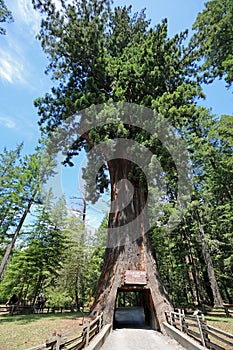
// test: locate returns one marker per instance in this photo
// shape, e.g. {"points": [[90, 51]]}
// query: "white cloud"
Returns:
{"points": [[11, 68], [7, 122], [29, 16]]}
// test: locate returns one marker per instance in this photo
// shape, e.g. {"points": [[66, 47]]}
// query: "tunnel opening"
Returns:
{"points": [[134, 309]]}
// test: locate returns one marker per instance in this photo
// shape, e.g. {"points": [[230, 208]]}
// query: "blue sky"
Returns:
{"points": [[22, 65]]}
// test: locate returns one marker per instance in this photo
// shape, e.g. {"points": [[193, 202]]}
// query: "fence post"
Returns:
{"points": [[58, 343], [204, 329], [226, 311], [88, 334], [12, 309], [172, 319], [180, 318], [200, 330], [100, 321]]}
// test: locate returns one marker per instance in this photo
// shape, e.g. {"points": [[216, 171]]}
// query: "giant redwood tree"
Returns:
{"points": [[100, 55]]}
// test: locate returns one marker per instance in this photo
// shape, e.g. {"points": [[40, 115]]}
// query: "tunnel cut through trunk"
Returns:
{"points": [[134, 308]]}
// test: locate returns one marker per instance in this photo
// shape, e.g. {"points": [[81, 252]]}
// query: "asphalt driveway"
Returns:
{"points": [[133, 333], [139, 339]]}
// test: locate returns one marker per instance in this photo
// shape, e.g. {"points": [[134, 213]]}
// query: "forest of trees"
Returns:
{"points": [[100, 54]]}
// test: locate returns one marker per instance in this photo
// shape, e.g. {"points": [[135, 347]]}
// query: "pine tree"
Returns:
{"points": [[20, 182], [213, 40], [38, 261]]}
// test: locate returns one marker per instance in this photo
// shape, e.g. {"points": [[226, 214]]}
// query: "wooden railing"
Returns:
{"points": [[196, 327], [73, 339], [28, 309], [221, 311], [17, 309]]}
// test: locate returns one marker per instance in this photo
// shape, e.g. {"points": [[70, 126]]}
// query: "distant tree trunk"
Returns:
{"points": [[77, 290], [18, 228], [194, 277], [37, 288], [192, 281], [210, 269], [128, 245], [228, 296]]}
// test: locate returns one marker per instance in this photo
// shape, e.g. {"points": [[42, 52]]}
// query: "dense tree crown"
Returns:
{"points": [[99, 55], [213, 40]]}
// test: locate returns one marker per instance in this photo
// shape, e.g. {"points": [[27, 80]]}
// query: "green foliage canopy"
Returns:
{"points": [[214, 40]]}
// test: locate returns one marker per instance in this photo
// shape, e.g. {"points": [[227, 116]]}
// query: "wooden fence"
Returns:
{"points": [[221, 311], [16, 309], [28, 309], [73, 340], [196, 327]]}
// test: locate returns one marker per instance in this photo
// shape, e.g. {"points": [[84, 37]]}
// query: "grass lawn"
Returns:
{"points": [[224, 323], [24, 331]]}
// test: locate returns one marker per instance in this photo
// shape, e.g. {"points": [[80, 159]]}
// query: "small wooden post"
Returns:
{"points": [[100, 322], [88, 333], [204, 329], [58, 343], [171, 318], [174, 318], [180, 318], [200, 330], [12, 309], [226, 311]]}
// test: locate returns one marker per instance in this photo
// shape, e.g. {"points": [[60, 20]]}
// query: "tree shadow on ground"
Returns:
{"points": [[25, 319]]}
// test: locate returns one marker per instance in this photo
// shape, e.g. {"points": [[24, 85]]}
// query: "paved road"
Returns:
{"points": [[132, 333], [139, 339]]}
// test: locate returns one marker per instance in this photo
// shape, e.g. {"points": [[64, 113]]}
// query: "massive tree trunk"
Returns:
{"points": [[128, 247]]}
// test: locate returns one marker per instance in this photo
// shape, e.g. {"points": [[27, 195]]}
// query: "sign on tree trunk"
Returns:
{"points": [[135, 277]]}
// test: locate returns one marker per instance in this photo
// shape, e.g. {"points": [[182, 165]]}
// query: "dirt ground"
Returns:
{"points": [[25, 331]]}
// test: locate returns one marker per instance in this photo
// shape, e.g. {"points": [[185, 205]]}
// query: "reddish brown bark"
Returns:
{"points": [[128, 246]]}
